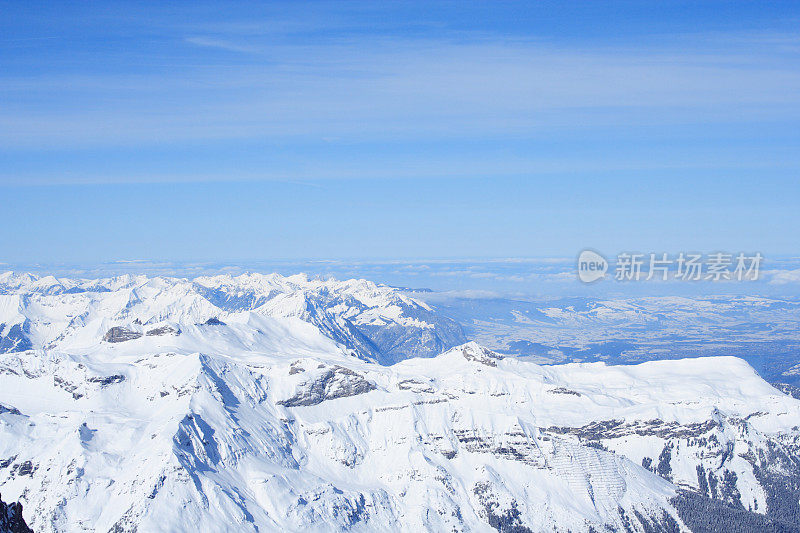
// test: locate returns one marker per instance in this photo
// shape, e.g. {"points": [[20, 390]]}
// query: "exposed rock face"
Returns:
{"points": [[614, 429], [14, 337], [336, 382], [11, 520], [474, 352], [415, 386], [120, 334], [163, 330], [11, 410], [104, 381], [563, 390]]}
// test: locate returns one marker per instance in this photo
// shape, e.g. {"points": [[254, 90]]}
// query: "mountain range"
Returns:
{"points": [[270, 403]]}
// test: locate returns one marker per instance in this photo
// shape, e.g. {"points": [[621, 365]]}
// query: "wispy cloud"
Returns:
{"points": [[398, 89], [342, 93], [782, 277], [222, 44]]}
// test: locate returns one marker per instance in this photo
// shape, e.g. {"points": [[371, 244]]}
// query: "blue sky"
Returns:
{"points": [[211, 131]]}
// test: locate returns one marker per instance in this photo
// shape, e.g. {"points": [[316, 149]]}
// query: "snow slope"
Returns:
{"points": [[257, 418], [377, 322]]}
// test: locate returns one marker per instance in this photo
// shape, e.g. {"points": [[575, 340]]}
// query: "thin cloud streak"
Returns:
{"points": [[392, 168], [397, 89], [222, 44]]}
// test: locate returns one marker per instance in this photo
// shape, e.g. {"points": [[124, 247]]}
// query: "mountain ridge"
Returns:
{"points": [[377, 322], [238, 418]]}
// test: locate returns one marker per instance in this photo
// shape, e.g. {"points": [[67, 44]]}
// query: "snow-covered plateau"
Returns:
{"points": [[269, 403]]}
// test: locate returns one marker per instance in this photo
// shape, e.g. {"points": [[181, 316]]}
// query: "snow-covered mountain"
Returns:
{"points": [[250, 404], [377, 322]]}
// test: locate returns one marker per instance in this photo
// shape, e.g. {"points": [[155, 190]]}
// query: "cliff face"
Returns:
{"points": [[11, 520]]}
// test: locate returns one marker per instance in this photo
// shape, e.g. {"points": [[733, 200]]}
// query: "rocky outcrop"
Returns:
{"points": [[613, 429], [336, 382], [5, 409], [472, 351], [14, 338], [415, 385], [11, 520], [120, 334], [564, 390], [163, 330], [104, 381]]}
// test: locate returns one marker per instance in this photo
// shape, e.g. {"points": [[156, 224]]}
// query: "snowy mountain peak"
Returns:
{"points": [[255, 403], [375, 322], [472, 351]]}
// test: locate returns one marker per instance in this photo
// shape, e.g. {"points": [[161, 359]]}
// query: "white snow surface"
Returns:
{"points": [[266, 423], [377, 322]]}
